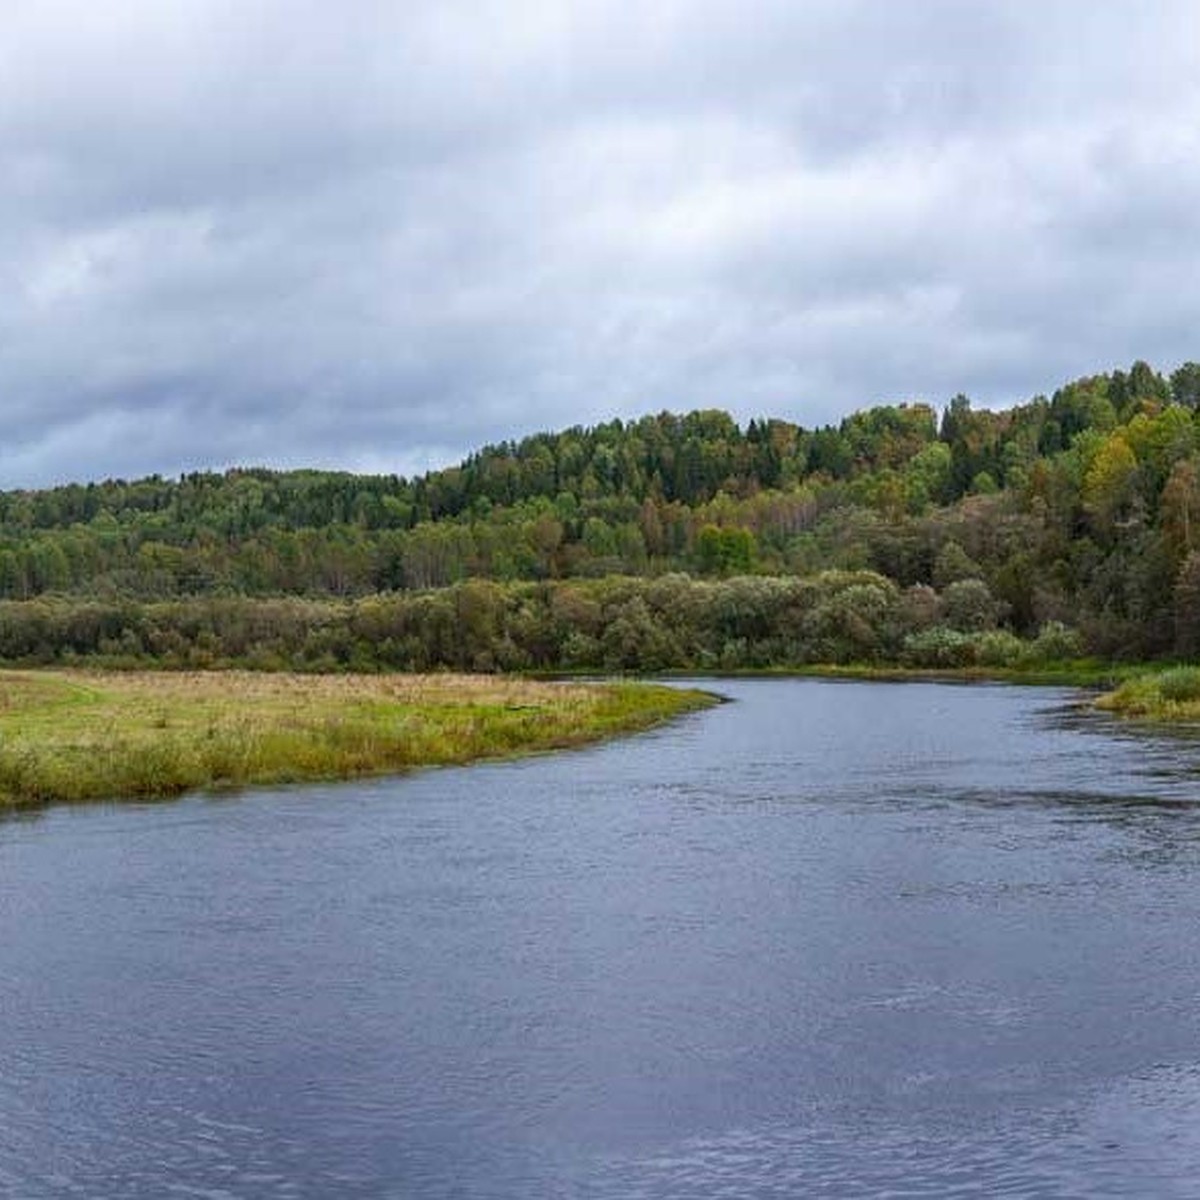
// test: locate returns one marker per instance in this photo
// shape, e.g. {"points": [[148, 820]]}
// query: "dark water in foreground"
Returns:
{"points": [[831, 940]]}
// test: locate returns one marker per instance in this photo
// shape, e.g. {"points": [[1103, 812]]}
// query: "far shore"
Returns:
{"points": [[1083, 673]]}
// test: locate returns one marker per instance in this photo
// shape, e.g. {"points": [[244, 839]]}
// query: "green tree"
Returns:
{"points": [[724, 551], [1185, 385]]}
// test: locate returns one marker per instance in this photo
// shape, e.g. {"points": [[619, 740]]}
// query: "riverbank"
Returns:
{"points": [[1171, 695], [1082, 673], [73, 735]]}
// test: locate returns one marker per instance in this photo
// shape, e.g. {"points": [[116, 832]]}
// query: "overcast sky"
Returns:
{"points": [[376, 235]]}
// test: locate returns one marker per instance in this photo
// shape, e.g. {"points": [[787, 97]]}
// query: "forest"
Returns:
{"points": [[1064, 526]]}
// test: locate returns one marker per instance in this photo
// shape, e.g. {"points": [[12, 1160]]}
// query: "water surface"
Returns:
{"points": [[832, 939]]}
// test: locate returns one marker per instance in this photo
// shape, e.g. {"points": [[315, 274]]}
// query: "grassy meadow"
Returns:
{"points": [[73, 735]]}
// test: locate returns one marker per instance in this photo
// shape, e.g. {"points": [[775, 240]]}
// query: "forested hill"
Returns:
{"points": [[1082, 507]]}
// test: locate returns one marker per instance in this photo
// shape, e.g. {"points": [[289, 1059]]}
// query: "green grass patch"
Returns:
{"points": [[1172, 694], [72, 736]]}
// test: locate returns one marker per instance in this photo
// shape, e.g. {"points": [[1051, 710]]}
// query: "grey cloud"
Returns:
{"points": [[377, 235]]}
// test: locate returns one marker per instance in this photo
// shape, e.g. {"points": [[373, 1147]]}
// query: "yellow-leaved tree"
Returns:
{"points": [[1110, 482]]}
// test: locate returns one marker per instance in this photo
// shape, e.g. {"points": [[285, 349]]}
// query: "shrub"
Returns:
{"points": [[999, 648], [1180, 684], [969, 606], [940, 647], [1056, 642]]}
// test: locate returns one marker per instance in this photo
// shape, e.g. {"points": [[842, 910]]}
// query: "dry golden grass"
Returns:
{"points": [[86, 735]]}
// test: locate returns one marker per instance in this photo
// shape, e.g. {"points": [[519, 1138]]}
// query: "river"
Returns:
{"points": [[831, 939]]}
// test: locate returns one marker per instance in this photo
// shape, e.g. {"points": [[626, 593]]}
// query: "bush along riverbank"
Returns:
{"points": [[668, 623], [1172, 694], [76, 735]]}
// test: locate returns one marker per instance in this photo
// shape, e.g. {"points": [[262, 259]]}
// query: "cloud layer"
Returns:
{"points": [[377, 235]]}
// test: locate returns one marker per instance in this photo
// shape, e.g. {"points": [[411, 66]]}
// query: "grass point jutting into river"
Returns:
{"points": [[79, 735]]}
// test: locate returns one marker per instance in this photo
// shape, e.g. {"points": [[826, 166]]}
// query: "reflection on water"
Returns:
{"points": [[833, 939]]}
